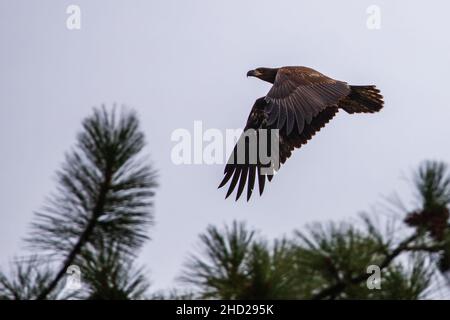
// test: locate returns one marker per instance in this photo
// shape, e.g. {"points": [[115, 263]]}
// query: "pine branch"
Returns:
{"points": [[427, 248], [432, 183], [27, 278], [104, 193], [109, 274], [221, 273], [339, 287], [84, 236]]}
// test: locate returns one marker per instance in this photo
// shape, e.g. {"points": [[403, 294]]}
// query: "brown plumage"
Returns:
{"points": [[300, 103]]}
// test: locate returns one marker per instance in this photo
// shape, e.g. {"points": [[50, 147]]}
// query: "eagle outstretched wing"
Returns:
{"points": [[300, 103]]}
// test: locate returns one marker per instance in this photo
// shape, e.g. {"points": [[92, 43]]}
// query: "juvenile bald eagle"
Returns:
{"points": [[300, 103]]}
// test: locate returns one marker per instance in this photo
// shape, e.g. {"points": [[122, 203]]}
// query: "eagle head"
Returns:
{"points": [[266, 74]]}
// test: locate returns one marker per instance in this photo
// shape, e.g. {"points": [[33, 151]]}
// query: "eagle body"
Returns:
{"points": [[300, 103]]}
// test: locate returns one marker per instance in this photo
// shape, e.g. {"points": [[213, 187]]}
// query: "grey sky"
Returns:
{"points": [[180, 61]]}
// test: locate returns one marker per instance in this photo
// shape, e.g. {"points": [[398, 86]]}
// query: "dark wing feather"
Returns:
{"points": [[251, 181], [245, 173], [296, 140]]}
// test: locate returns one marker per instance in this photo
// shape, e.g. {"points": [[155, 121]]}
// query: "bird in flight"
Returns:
{"points": [[300, 103]]}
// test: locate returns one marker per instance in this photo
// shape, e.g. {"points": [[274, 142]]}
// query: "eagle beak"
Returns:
{"points": [[253, 73]]}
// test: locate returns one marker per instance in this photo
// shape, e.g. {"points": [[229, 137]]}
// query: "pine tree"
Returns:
{"points": [[98, 217], [331, 260]]}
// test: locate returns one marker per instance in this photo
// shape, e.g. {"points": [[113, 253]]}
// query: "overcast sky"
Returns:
{"points": [[180, 61]]}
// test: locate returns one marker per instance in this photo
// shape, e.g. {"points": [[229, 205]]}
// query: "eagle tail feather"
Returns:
{"points": [[362, 99]]}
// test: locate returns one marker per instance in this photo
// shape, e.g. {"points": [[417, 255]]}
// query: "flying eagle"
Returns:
{"points": [[300, 103]]}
